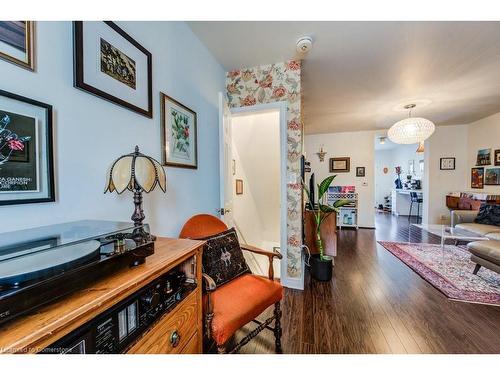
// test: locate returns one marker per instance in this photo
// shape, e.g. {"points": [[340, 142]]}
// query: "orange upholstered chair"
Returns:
{"points": [[229, 307]]}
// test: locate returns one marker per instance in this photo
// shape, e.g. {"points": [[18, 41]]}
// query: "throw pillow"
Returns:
{"points": [[223, 258], [488, 214]]}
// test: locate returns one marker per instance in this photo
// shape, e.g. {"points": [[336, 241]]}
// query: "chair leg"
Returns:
{"points": [[277, 328], [418, 212], [409, 214], [476, 269]]}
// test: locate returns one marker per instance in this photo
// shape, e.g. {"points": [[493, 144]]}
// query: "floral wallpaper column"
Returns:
{"points": [[272, 83]]}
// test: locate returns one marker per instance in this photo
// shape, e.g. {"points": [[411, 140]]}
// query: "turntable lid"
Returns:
{"points": [[52, 236], [20, 268]]}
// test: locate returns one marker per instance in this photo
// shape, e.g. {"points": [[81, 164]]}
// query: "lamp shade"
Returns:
{"points": [[411, 130], [135, 171]]}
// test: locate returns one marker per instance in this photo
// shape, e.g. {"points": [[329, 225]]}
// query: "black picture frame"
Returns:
{"points": [[78, 69], [49, 151], [360, 171], [346, 161], [497, 157], [477, 178], [444, 167]]}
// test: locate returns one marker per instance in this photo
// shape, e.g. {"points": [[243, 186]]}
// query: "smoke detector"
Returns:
{"points": [[304, 44]]}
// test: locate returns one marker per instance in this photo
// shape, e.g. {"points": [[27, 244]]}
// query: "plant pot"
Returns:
{"points": [[321, 270]]}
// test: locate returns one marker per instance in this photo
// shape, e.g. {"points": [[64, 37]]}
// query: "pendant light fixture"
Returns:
{"points": [[411, 130]]}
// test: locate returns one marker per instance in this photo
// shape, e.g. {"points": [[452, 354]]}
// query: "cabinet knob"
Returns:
{"points": [[175, 338]]}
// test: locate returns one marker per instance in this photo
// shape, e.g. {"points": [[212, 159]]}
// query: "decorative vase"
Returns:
{"points": [[321, 270]]}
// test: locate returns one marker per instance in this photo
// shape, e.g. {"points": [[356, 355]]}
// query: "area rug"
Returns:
{"points": [[450, 271]]}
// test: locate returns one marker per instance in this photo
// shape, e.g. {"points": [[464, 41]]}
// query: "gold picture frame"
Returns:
{"points": [[29, 62]]}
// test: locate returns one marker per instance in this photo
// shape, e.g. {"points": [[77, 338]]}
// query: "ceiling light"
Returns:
{"points": [[411, 130]]}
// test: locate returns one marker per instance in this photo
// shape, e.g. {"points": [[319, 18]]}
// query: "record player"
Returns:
{"points": [[42, 264]]}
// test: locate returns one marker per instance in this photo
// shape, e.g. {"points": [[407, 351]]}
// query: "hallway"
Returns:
{"points": [[376, 304]]}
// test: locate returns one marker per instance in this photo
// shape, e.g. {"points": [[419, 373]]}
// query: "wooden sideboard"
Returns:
{"points": [[34, 332], [328, 233]]}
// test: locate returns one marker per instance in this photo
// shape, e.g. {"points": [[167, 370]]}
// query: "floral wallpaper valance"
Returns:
{"points": [[267, 84]]}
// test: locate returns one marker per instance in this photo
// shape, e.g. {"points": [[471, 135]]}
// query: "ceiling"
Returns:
{"points": [[359, 74]]}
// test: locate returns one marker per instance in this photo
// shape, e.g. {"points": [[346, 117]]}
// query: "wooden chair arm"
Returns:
{"points": [[270, 255], [209, 283], [208, 287]]}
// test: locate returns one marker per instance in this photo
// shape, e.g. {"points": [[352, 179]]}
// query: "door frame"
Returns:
{"points": [[281, 106]]}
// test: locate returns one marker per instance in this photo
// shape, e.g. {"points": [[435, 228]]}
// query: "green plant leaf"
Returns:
{"points": [[326, 208], [325, 184], [342, 202]]}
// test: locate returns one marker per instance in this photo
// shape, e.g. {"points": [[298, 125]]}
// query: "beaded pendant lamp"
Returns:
{"points": [[138, 173], [411, 130]]}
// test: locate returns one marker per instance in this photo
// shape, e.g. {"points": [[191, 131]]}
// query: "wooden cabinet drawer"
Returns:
{"points": [[193, 346], [180, 322]]}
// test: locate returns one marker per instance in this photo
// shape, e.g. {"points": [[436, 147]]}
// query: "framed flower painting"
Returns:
{"points": [[26, 159], [178, 134]]}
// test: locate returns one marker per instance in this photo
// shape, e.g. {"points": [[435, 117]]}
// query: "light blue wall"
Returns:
{"points": [[91, 132]]}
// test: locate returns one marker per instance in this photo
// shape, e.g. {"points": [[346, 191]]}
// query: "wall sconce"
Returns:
{"points": [[382, 140], [321, 153]]}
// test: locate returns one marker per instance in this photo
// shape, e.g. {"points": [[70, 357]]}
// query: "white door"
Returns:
{"points": [[226, 160]]}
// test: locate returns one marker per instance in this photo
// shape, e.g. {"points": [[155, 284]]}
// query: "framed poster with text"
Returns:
{"points": [[26, 150]]}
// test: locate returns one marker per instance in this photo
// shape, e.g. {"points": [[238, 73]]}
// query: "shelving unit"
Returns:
{"points": [[348, 215]]}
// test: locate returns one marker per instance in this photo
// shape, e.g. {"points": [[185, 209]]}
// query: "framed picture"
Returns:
{"points": [[17, 43], [497, 157], [447, 164], [26, 156], [239, 187], [340, 165], [110, 64], [360, 171], [421, 166], [178, 134], [492, 176], [477, 178], [484, 157]]}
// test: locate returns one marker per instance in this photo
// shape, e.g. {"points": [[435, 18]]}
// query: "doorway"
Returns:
{"points": [[253, 180], [389, 198]]}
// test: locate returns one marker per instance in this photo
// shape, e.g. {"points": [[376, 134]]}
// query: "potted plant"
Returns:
{"points": [[321, 264]]}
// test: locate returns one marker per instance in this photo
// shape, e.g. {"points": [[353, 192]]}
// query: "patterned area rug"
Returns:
{"points": [[450, 271]]}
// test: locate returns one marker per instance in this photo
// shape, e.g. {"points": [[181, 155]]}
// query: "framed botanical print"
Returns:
{"points": [[340, 164], [178, 134], [447, 164], [17, 43], [477, 178], [26, 156], [110, 64]]}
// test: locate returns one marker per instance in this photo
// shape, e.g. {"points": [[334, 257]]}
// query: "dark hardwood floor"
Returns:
{"points": [[376, 304]]}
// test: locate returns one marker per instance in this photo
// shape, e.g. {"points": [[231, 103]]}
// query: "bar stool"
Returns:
{"points": [[415, 198]]}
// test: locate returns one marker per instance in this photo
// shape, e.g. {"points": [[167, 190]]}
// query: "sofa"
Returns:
{"points": [[485, 253]]}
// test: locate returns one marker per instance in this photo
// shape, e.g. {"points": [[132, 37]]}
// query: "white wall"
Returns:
{"points": [[91, 132], [384, 183], [359, 146], [447, 141], [256, 151], [482, 134]]}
